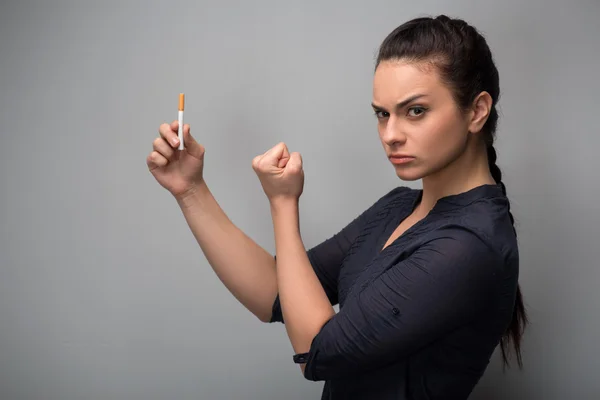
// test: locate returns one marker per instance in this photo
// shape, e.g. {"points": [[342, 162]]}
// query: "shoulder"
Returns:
{"points": [[482, 229], [452, 256]]}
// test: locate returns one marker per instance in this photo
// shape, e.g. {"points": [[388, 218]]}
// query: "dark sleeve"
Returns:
{"points": [[441, 286], [326, 258]]}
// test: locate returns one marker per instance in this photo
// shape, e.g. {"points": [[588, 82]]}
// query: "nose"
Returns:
{"points": [[392, 132]]}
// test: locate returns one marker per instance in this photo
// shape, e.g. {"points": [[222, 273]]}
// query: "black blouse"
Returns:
{"points": [[421, 318]]}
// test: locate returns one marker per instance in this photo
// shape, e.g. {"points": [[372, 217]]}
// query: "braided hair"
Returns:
{"points": [[465, 64]]}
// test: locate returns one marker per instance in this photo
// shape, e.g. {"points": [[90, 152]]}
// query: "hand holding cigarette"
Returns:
{"points": [[177, 160]]}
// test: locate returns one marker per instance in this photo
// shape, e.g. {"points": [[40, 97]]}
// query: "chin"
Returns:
{"points": [[408, 179], [408, 175]]}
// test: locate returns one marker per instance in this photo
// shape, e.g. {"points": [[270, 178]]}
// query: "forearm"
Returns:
{"points": [[245, 268], [304, 304]]}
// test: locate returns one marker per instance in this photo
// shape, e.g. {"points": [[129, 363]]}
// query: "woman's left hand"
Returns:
{"points": [[280, 173]]}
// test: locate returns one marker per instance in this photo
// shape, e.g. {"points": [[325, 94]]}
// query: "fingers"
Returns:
{"points": [[161, 146], [277, 155], [296, 158], [155, 160], [164, 147], [295, 162], [169, 133], [256, 162], [175, 127], [277, 151]]}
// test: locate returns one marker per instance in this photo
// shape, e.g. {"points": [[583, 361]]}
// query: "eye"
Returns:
{"points": [[381, 114], [416, 111]]}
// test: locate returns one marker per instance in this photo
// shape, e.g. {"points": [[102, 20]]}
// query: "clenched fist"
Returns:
{"points": [[280, 173]]}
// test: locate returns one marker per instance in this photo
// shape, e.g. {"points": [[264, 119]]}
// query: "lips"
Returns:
{"points": [[400, 158]]}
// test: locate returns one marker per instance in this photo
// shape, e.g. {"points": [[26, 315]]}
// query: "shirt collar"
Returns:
{"points": [[486, 191]]}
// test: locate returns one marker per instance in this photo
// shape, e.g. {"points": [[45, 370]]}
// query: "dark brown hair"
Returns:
{"points": [[464, 60]]}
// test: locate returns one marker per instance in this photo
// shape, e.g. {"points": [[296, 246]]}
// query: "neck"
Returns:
{"points": [[468, 171]]}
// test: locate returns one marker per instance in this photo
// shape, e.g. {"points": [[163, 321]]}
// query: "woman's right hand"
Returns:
{"points": [[178, 171]]}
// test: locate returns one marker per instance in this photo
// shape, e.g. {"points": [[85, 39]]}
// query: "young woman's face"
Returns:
{"points": [[417, 119]]}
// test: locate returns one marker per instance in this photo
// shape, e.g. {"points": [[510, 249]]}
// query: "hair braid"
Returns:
{"points": [[519, 317]]}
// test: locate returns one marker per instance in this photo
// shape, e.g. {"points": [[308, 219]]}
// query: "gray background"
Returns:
{"points": [[104, 293]]}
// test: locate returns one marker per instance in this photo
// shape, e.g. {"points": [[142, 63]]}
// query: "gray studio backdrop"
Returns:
{"points": [[104, 293]]}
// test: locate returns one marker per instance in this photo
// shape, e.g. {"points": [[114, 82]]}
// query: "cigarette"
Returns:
{"points": [[180, 118]]}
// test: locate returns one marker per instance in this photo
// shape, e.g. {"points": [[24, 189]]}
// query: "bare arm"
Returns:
{"points": [[245, 268]]}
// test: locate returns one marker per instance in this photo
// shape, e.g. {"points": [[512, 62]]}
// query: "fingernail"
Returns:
{"points": [[175, 141]]}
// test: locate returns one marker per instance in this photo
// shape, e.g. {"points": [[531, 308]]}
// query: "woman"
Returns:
{"points": [[427, 280]]}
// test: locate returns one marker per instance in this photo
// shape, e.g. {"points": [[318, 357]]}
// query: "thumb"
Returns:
{"points": [[190, 144], [284, 158]]}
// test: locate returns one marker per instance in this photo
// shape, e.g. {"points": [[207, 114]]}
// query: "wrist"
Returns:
{"points": [[283, 204], [192, 196], [285, 215]]}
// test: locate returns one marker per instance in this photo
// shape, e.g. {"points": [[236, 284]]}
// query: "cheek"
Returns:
{"points": [[441, 137]]}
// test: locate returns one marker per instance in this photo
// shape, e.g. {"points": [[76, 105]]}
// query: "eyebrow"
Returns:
{"points": [[402, 104]]}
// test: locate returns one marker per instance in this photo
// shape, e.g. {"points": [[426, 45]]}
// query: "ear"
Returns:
{"points": [[480, 111]]}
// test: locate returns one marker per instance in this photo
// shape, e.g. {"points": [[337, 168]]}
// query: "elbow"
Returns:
{"points": [[322, 363], [316, 371], [270, 312], [264, 317], [312, 366], [269, 316]]}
